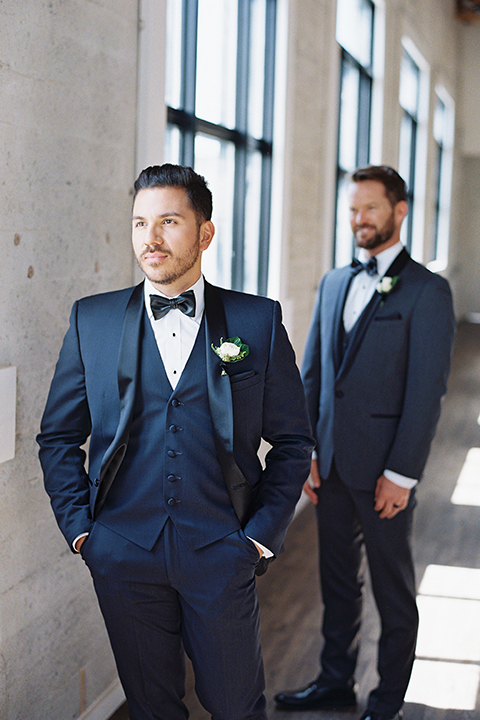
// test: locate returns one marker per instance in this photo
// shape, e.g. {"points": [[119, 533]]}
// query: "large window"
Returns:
{"points": [[409, 101], [355, 23], [443, 123], [412, 160], [219, 93]]}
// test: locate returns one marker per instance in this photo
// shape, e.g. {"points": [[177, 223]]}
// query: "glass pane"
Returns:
{"points": [[216, 61], [409, 85], [173, 72], [406, 146], [215, 160], [343, 234], [252, 222], [347, 149], [256, 67], [354, 29], [172, 144], [439, 119]]}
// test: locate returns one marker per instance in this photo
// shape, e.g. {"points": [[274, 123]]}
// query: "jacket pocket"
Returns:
{"points": [[240, 381], [383, 318]]}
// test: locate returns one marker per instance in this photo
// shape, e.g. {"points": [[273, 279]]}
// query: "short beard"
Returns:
{"points": [[179, 269], [381, 237]]}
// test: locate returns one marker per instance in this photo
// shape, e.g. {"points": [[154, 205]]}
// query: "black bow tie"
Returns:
{"points": [[162, 305], [370, 267]]}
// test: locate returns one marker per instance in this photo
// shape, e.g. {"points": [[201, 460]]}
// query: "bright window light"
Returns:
{"points": [[467, 489], [449, 629], [453, 582], [446, 673], [444, 685]]}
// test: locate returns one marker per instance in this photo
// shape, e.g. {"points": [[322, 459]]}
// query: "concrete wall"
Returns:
{"points": [[68, 125], [67, 136]]}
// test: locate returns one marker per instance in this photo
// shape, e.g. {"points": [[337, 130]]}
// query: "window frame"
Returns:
{"points": [[190, 125], [341, 253]]}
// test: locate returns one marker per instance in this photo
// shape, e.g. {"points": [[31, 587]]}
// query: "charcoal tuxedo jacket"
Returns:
{"points": [[97, 393], [375, 404]]}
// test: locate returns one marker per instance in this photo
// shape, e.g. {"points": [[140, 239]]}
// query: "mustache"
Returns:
{"points": [[364, 227], [155, 247]]}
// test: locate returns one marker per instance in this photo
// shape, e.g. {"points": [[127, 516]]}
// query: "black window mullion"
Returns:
{"points": [[364, 113], [189, 74], [411, 178]]}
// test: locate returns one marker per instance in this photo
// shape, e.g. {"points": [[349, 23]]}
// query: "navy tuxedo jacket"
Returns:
{"points": [[93, 391], [376, 407]]}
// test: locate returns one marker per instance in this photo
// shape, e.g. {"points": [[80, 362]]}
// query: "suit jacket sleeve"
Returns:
{"points": [[431, 335], [312, 362], [287, 429], [65, 428]]}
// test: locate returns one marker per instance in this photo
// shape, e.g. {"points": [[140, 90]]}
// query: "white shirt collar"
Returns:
{"points": [[198, 288], [384, 258]]}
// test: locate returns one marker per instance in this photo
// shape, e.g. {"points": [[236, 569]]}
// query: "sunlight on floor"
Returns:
{"points": [[446, 674], [448, 686], [467, 490]]}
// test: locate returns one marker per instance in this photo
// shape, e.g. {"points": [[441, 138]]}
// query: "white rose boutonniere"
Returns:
{"points": [[385, 286], [231, 350]]}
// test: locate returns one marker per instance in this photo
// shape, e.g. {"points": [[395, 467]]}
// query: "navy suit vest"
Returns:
{"points": [[171, 468]]}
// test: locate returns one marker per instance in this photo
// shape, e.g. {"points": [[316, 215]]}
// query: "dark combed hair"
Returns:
{"points": [[178, 176], [395, 187]]}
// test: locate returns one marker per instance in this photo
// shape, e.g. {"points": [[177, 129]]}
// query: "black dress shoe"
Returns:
{"points": [[378, 716], [315, 696]]}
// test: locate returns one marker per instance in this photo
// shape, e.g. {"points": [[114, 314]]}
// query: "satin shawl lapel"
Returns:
{"points": [[128, 360], [340, 297], [366, 317], [221, 407]]}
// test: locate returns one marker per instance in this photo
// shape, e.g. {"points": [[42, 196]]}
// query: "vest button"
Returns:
{"points": [[339, 394], [171, 502], [173, 478], [171, 453], [175, 402], [173, 428]]}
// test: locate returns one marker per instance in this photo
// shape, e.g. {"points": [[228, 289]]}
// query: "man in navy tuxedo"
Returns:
{"points": [[375, 369], [176, 382]]}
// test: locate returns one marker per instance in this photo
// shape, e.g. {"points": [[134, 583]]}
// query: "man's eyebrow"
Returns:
{"points": [[163, 215]]}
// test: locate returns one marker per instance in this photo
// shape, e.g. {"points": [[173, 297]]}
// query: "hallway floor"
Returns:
{"points": [[446, 679]]}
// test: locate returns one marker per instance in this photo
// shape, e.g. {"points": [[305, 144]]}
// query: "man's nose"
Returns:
{"points": [[153, 236], [360, 217]]}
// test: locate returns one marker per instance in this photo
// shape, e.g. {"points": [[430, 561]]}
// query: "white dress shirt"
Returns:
{"points": [[175, 333], [359, 295]]}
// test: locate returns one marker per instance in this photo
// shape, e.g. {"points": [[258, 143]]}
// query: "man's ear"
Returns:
{"points": [[401, 210], [207, 231]]}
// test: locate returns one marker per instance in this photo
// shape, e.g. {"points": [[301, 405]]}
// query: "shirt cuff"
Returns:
{"points": [[84, 534], [266, 552], [400, 480]]}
